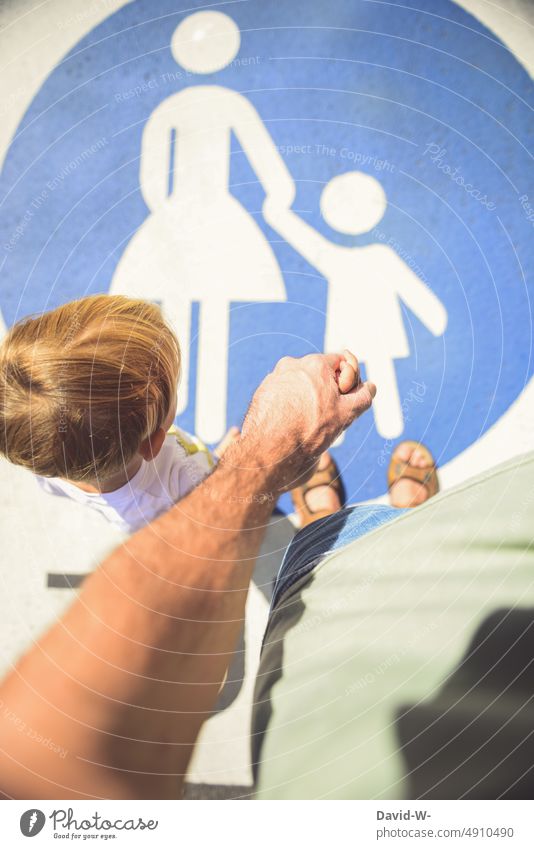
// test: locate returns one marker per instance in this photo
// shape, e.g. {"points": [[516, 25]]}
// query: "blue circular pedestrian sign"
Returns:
{"points": [[287, 178]]}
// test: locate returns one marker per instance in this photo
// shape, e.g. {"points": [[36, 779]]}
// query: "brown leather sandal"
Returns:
{"points": [[426, 475], [329, 476]]}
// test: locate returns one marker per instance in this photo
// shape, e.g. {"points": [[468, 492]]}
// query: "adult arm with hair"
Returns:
{"points": [[124, 681]]}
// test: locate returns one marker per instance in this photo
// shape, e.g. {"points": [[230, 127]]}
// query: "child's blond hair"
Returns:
{"points": [[83, 385]]}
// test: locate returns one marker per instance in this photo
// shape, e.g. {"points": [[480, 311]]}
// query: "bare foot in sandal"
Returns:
{"points": [[322, 495], [412, 476]]}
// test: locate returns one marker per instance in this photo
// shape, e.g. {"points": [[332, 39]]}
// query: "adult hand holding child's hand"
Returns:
{"points": [[301, 408]]}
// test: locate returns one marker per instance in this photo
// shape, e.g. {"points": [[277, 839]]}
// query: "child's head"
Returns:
{"points": [[353, 202], [83, 386]]}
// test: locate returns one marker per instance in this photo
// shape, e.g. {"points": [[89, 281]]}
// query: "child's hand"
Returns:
{"points": [[348, 374], [226, 441], [299, 411]]}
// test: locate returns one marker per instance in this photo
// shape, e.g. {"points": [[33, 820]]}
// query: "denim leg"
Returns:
{"points": [[324, 536]]}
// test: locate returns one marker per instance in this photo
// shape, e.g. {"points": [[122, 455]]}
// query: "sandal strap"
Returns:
{"points": [[427, 475], [328, 476], [414, 473]]}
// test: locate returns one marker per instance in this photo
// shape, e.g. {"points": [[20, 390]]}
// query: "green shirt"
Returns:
{"points": [[403, 666]]}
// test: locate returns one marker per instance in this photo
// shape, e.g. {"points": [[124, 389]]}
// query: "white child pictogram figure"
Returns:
{"points": [[365, 286], [199, 243]]}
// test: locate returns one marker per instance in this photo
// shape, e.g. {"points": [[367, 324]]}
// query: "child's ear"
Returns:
{"points": [[151, 446]]}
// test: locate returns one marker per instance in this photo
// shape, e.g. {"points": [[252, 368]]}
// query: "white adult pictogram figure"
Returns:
{"points": [[199, 243], [365, 286]]}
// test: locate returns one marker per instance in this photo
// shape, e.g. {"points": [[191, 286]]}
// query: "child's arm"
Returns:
{"points": [[188, 464], [302, 236]]}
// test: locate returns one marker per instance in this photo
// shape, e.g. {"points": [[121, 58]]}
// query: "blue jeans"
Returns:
{"points": [[313, 543]]}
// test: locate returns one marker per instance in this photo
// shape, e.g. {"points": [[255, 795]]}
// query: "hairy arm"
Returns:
{"points": [[123, 682]]}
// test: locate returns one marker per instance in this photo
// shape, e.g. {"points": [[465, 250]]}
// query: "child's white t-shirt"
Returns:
{"points": [[183, 462]]}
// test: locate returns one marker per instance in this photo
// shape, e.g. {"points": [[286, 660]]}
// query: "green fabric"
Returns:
{"points": [[381, 624]]}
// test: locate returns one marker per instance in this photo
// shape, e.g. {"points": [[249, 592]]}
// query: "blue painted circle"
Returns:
{"points": [[422, 101]]}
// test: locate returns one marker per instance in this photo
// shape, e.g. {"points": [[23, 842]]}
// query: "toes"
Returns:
{"points": [[414, 455], [404, 452], [419, 458]]}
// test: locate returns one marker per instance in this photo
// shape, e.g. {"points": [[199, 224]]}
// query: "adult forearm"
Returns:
{"points": [[119, 688], [125, 680]]}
